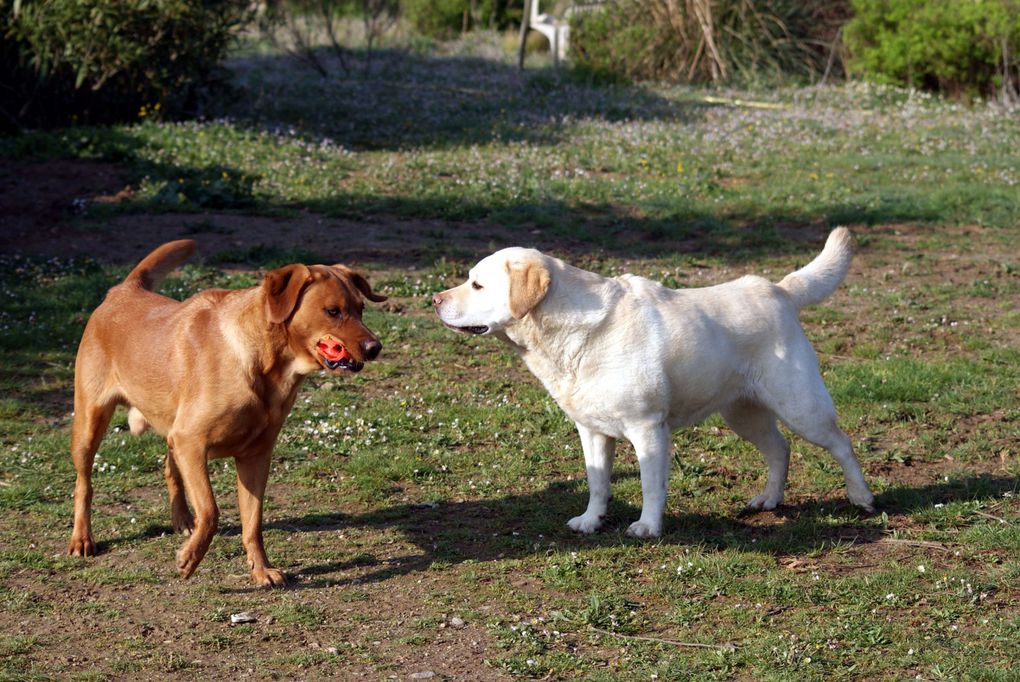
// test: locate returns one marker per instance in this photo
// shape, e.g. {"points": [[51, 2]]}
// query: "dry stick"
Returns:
{"points": [[697, 57], [709, 99], [522, 39], [917, 543], [691, 645], [990, 516], [832, 56]]}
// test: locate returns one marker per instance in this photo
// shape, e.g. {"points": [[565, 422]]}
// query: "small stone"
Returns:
{"points": [[243, 617], [424, 675], [457, 622], [328, 386]]}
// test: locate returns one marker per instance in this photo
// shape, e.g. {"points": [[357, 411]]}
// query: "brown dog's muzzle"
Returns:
{"points": [[336, 356]]}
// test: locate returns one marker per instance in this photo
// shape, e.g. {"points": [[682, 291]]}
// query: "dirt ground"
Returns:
{"points": [[44, 212]]}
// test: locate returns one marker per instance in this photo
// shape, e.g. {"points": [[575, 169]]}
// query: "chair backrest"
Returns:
{"points": [[534, 11], [582, 6]]}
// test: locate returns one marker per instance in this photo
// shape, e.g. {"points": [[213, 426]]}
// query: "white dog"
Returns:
{"points": [[628, 358]]}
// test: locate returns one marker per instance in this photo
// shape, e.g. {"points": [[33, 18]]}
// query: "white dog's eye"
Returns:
{"points": [[476, 285]]}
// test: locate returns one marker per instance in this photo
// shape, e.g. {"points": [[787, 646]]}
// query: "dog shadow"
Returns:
{"points": [[527, 525]]}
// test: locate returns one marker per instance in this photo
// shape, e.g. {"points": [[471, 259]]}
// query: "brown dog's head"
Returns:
{"points": [[320, 306]]}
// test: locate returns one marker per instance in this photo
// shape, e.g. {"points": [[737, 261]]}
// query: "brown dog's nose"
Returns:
{"points": [[371, 348], [437, 300]]}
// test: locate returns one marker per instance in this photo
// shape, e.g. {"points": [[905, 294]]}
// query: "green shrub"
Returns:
{"points": [[99, 60], [707, 40], [958, 47], [445, 18]]}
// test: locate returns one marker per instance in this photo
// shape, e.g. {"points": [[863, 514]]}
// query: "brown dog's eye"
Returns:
{"points": [[476, 285], [333, 312]]}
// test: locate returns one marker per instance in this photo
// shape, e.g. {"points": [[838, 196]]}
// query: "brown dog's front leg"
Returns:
{"points": [[191, 463], [252, 474]]}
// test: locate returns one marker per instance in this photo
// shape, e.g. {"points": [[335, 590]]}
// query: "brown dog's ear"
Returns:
{"points": [[528, 285], [281, 288], [360, 283]]}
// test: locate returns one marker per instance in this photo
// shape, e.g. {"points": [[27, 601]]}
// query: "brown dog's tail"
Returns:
{"points": [[157, 265], [816, 281]]}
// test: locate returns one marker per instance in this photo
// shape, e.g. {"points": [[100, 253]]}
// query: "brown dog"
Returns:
{"points": [[216, 375]]}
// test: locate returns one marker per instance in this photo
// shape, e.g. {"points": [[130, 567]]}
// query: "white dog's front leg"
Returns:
{"points": [[598, 461], [651, 443]]}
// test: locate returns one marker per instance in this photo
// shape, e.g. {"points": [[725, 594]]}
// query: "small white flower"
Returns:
{"points": [[920, 569]]}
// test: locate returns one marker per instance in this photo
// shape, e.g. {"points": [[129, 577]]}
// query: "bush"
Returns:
{"points": [[707, 40], [961, 48], [98, 61], [445, 18]]}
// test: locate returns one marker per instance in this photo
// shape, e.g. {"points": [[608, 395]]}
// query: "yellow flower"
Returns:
{"points": [[813, 176], [679, 166]]}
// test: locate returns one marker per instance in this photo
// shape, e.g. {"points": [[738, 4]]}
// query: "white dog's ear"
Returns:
{"points": [[529, 283]]}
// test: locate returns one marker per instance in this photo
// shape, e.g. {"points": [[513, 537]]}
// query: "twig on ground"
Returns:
{"points": [[990, 516], [728, 646], [918, 543], [710, 99]]}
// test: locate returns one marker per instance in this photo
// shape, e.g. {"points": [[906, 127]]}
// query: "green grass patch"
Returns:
{"points": [[419, 507]]}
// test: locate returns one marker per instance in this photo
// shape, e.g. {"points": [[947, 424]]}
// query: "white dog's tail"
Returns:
{"points": [[816, 281]]}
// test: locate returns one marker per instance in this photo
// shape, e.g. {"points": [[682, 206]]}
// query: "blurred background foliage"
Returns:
{"points": [[97, 61]]}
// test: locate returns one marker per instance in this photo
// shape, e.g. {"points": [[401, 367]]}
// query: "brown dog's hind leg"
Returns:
{"points": [[190, 459], [252, 473], [180, 515], [87, 431]]}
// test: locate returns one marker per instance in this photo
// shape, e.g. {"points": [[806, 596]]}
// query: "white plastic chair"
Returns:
{"points": [[555, 29]]}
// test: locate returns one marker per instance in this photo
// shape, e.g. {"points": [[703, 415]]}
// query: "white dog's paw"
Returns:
{"points": [[862, 498], [586, 524], [643, 529], [765, 502]]}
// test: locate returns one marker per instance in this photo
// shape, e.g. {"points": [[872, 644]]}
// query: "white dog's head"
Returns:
{"points": [[500, 289]]}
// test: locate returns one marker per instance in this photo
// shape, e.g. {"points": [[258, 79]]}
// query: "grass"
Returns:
{"points": [[433, 488]]}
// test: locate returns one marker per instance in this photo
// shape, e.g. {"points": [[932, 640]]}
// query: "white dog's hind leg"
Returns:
{"points": [[808, 410], [651, 443], [838, 443], [598, 461], [757, 424]]}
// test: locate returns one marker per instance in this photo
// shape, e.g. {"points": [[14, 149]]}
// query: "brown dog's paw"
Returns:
{"points": [[82, 547], [268, 577], [188, 560]]}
